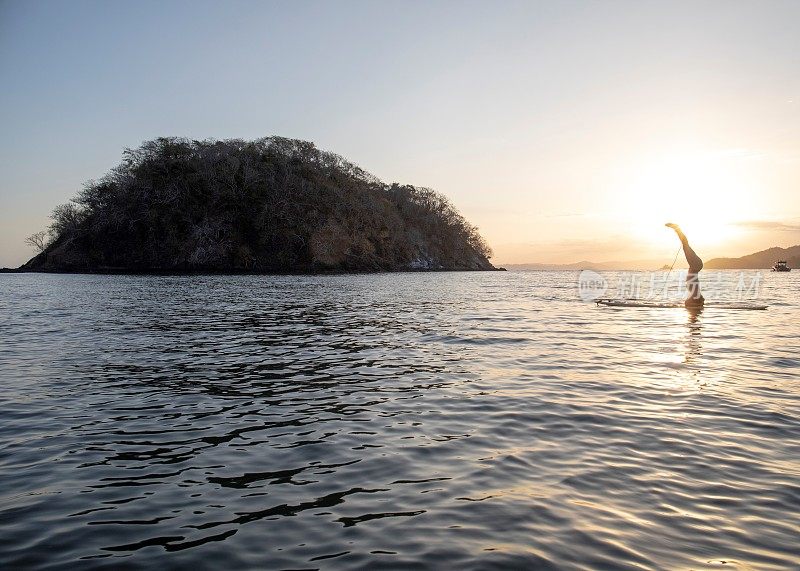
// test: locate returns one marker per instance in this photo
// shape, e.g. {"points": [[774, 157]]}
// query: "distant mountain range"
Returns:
{"points": [[596, 266], [759, 260]]}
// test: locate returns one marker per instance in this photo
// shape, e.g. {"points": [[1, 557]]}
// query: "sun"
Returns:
{"points": [[700, 191]]}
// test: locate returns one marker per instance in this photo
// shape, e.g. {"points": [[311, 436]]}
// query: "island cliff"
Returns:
{"points": [[270, 205]]}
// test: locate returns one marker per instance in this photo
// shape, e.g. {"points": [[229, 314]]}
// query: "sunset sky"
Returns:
{"points": [[565, 131]]}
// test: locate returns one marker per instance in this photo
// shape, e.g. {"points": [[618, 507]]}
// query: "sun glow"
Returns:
{"points": [[705, 192]]}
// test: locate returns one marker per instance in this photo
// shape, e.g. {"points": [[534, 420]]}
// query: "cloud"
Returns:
{"points": [[769, 225]]}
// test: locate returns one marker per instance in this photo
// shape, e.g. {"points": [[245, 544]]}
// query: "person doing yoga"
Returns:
{"points": [[695, 298]]}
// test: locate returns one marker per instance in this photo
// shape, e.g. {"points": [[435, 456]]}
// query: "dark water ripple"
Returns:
{"points": [[468, 421]]}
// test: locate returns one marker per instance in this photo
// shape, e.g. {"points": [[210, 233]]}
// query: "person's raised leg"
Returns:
{"points": [[695, 263]]}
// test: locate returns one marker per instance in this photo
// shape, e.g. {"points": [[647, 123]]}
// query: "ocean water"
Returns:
{"points": [[398, 421]]}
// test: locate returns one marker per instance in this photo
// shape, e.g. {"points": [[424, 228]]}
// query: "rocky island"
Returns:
{"points": [[269, 205]]}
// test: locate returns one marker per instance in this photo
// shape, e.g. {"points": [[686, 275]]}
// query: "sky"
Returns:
{"points": [[565, 131]]}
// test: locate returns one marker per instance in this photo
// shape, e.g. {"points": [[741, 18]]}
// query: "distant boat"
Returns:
{"points": [[781, 266]]}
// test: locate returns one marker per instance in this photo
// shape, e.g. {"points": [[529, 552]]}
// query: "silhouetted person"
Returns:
{"points": [[695, 298]]}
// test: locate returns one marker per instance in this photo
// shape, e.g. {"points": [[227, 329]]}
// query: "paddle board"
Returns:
{"points": [[676, 304]]}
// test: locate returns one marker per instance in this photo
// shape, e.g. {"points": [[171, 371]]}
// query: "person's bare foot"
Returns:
{"points": [[677, 229]]}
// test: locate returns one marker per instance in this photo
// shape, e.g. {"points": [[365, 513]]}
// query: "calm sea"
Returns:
{"points": [[447, 420]]}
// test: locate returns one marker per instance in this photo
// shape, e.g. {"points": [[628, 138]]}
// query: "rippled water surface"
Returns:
{"points": [[450, 421]]}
